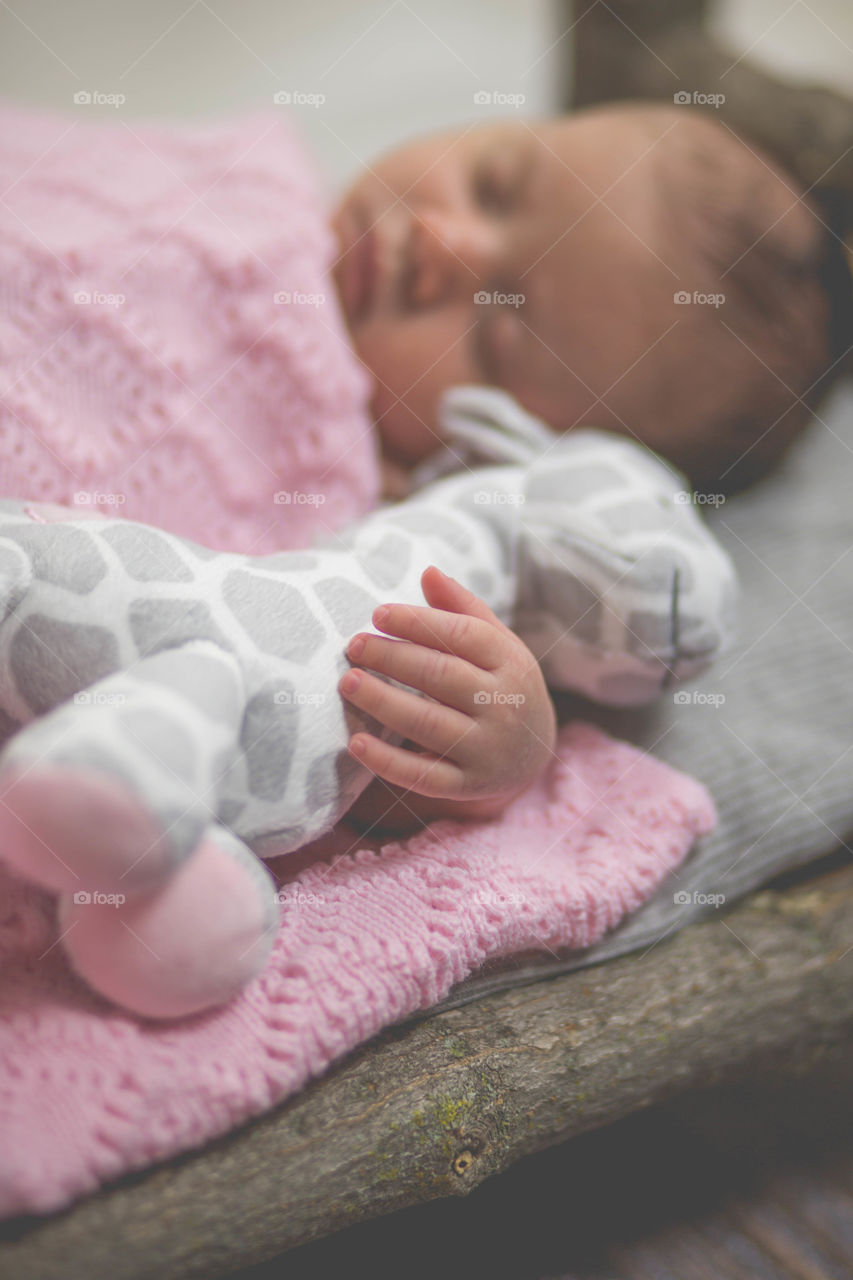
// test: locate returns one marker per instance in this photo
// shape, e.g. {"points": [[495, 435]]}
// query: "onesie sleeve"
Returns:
{"points": [[623, 589]]}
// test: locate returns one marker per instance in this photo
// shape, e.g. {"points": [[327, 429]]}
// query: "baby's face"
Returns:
{"points": [[558, 224]]}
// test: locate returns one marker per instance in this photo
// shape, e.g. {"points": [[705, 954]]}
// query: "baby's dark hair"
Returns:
{"points": [[751, 234]]}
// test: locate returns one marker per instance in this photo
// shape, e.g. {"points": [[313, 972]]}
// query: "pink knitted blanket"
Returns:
{"points": [[171, 346], [369, 934]]}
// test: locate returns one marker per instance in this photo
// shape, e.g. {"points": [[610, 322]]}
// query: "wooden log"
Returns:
{"points": [[431, 1108]]}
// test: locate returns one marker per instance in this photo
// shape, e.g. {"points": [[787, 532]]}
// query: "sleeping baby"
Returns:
{"points": [[531, 303], [634, 267]]}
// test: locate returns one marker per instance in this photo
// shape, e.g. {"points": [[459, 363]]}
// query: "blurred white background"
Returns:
{"points": [[387, 69]]}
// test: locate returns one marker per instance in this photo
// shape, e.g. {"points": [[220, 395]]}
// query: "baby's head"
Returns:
{"points": [[586, 233]]}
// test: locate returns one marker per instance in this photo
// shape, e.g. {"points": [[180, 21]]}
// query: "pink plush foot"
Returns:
{"points": [[186, 947], [68, 828]]}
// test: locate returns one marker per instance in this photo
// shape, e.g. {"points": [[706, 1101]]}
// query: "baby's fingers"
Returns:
{"points": [[443, 676], [482, 642], [444, 592], [426, 774], [432, 725]]}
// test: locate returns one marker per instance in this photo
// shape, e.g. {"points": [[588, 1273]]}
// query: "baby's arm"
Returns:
{"points": [[487, 727]]}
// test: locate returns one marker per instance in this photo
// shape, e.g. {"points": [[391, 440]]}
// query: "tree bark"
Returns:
{"points": [[432, 1108]]}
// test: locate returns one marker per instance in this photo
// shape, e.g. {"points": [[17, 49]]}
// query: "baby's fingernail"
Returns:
{"points": [[381, 613], [355, 648], [350, 682]]}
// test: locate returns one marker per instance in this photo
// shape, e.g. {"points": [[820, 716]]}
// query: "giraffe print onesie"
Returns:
{"points": [[171, 713]]}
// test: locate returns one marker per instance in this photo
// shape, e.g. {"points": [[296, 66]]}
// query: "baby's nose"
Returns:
{"points": [[453, 255]]}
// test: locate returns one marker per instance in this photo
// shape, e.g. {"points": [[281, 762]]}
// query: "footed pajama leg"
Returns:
{"points": [[190, 945], [113, 789]]}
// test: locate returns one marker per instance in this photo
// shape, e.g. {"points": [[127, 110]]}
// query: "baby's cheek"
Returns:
{"points": [[405, 429], [413, 359]]}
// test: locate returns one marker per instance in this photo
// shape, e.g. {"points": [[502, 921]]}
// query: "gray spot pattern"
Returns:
{"points": [[697, 636], [648, 631], [15, 576], [164, 624], [230, 810], [62, 555], [387, 562], [51, 660], [347, 605], [576, 604], [273, 614], [656, 571], [269, 739], [327, 777], [148, 559]]}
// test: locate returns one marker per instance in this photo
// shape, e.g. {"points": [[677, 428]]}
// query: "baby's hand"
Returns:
{"points": [[487, 727]]}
